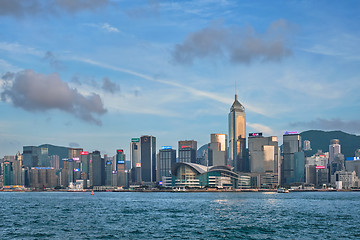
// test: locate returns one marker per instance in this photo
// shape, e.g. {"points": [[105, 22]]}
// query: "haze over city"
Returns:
{"points": [[94, 74]]}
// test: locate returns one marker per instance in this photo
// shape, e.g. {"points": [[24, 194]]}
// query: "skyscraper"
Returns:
{"points": [[121, 168], [334, 148], [217, 150], [187, 151], [108, 173], [8, 173], [97, 169], [293, 165], [237, 136], [166, 159], [18, 170], [135, 160], [336, 159], [263, 154], [148, 159]]}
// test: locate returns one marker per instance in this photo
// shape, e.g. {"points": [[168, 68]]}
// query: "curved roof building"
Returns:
{"points": [[196, 175]]}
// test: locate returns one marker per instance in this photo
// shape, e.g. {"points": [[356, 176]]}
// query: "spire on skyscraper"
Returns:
{"points": [[237, 106]]}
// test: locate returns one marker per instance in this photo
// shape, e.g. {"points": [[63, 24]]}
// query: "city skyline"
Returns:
{"points": [[98, 74]]}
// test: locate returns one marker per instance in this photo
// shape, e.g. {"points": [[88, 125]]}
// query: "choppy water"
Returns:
{"points": [[63, 215]]}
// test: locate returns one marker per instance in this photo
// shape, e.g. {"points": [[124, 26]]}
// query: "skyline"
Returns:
{"points": [[117, 70]]}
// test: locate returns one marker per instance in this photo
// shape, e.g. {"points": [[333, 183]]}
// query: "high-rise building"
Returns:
{"points": [[237, 137], [166, 159], [8, 173], [336, 159], [97, 169], [334, 148], [40, 156], [202, 153], [43, 177], [148, 159], [85, 165], [217, 154], [353, 164], [135, 161], [263, 154], [71, 168], [18, 170], [55, 161], [30, 156], [187, 151], [108, 173], [121, 168], [307, 145], [263, 160], [64, 180], [75, 152], [293, 165]]}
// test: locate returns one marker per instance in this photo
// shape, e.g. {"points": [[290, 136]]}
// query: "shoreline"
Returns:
{"points": [[186, 190]]}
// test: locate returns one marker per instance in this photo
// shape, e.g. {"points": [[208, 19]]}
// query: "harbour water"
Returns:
{"points": [[161, 215]]}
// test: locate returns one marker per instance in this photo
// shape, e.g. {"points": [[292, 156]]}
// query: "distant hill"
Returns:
{"points": [[321, 140]]}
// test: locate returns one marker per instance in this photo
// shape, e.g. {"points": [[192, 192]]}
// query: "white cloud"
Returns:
{"points": [[109, 28], [104, 26]]}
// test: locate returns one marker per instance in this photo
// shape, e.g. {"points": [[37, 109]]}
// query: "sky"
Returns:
{"points": [[94, 74]]}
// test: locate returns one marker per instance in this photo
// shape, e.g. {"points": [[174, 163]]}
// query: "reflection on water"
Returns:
{"points": [[221, 201]]}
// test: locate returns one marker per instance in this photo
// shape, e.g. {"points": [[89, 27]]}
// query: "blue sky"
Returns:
{"points": [[96, 73]]}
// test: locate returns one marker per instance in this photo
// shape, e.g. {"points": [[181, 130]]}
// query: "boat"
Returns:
{"points": [[282, 190]]}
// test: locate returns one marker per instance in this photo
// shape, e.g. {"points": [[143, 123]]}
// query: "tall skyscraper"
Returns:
{"points": [[135, 161], [166, 159], [64, 181], [334, 148], [187, 151], [97, 169], [237, 137], [18, 170], [85, 165], [121, 168], [8, 173], [148, 159], [293, 165], [108, 173], [217, 150]]}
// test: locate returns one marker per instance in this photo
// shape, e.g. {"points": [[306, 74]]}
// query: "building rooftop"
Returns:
{"points": [[236, 106]]}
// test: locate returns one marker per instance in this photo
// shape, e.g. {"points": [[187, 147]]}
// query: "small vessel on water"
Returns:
{"points": [[282, 190]]}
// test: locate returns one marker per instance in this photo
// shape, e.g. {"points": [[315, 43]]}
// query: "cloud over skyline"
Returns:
{"points": [[237, 44], [34, 92]]}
